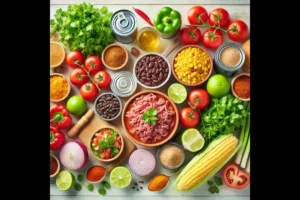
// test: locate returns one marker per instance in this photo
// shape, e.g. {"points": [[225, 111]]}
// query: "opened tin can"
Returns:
{"points": [[229, 58], [123, 84], [123, 24]]}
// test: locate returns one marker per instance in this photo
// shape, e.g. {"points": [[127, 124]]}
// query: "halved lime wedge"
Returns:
{"points": [[177, 93], [120, 177], [65, 180], [192, 140]]}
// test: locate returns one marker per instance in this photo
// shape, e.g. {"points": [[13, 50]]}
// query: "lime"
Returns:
{"points": [[192, 140], [218, 86], [177, 93], [120, 177], [65, 180]]}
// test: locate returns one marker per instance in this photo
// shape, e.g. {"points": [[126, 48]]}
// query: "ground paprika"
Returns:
{"points": [[241, 87], [95, 173]]}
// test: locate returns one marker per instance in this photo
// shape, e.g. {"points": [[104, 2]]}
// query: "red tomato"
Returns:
{"points": [[212, 38], [199, 98], [93, 64], [235, 178], [78, 77], [197, 15], [89, 91], [237, 30], [219, 16], [189, 118], [190, 35], [74, 57], [102, 79]]}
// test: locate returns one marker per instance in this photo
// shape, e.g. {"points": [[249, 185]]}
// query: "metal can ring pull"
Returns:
{"points": [[122, 20]]}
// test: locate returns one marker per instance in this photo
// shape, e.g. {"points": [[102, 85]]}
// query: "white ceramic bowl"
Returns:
{"points": [[151, 87]]}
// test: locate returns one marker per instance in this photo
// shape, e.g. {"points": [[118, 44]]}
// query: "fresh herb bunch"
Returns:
{"points": [[224, 116], [83, 27], [150, 116]]}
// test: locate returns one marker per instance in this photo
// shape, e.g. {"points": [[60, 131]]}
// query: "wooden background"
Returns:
{"points": [[238, 9]]}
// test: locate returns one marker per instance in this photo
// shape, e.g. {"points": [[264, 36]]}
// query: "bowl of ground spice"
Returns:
{"points": [[54, 166], [171, 155], [59, 87], [115, 57], [95, 174], [240, 86]]}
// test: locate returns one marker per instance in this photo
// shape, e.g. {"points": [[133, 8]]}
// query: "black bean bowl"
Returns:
{"points": [[97, 101]]}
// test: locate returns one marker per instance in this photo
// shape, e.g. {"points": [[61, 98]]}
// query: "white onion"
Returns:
{"points": [[141, 162], [73, 155]]}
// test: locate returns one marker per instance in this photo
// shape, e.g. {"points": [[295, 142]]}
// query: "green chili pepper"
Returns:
{"points": [[167, 20]]}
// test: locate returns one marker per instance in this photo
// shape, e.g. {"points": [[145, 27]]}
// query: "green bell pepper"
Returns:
{"points": [[167, 20]]}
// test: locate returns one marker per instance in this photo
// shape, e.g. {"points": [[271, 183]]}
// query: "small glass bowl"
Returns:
{"points": [[182, 151]]}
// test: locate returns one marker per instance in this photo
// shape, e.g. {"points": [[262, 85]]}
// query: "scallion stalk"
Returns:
{"points": [[248, 165], [246, 154]]}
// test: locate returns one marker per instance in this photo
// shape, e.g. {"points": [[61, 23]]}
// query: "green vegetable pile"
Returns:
{"points": [[224, 116], [83, 27]]}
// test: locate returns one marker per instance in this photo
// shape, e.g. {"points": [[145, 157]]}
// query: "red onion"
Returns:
{"points": [[73, 155], [141, 162]]}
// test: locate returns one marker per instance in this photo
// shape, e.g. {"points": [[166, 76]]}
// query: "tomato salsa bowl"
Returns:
{"points": [[150, 118], [106, 144]]}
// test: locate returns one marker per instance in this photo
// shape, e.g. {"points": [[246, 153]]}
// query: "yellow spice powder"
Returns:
{"points": [[58, 87]]}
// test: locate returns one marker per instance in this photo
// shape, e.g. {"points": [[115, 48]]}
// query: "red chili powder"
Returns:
{"points": [[53, 165], [241, 87], [95, 173]]}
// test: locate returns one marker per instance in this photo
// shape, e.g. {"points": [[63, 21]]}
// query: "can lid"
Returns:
{"points": [[123, 22], [123, 84]]}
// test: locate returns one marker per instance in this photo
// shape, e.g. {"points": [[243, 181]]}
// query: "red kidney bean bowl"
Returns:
{"points": [[152, 70]]}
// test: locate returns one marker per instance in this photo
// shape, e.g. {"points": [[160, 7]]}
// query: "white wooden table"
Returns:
{"points": [[238, 9]]}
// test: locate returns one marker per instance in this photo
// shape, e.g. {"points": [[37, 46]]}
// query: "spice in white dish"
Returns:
{"points": [[171, 156], [230, 56]]}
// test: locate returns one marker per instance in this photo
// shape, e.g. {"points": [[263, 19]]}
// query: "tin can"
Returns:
{"points": [[123, 84], [224, 69], [123, 24]]}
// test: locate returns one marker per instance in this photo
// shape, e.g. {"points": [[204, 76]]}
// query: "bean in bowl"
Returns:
{"points": [[152, 70], [108, 106]]}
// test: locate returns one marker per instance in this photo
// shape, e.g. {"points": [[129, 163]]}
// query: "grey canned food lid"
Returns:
{"points": [[123, 22], [123, 84]]}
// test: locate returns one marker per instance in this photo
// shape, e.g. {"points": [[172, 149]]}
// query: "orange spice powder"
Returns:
{"points": [[58, 87], [115, 56], [241, 87]]}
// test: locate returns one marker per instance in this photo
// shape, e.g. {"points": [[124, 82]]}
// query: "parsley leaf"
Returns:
{"points": [[150, 116], [106, 184], [102, 191], [77, 187], [90, 187], [79, 177], [213, 189], [210, 182], [218, 180]]}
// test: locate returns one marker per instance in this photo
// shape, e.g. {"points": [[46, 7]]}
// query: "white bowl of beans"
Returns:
{"points": [[152, 70]]}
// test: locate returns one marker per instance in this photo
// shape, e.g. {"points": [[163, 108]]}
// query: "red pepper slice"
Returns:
{"points": [[143, 16], [60, 116], [56, 138]]}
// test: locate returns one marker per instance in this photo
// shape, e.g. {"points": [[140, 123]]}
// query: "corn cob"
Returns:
{"points": [[207, 163]]}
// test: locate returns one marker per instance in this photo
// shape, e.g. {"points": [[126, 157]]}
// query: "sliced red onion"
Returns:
{"points": [[73, 155], [141, 162]]}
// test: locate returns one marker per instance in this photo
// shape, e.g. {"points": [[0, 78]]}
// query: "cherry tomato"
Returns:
{"points": [[102, 79], [219, 16], [189, 118], [93, 64], [89, 91], [190, 35], [78, 77], [212, 38], [199, 98], [197, 15], [237, 30], [234, 177], [75, 57]]}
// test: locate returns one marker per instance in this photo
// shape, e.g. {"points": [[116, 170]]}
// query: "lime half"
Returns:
{"points": [[65, 180], [192, 140], [177, 93], [120, 177]]}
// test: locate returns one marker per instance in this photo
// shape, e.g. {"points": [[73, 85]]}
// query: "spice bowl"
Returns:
{"points": [[209, 71], [58, 165], [95, 170], [111, 52], [152, 70], [97, 110], [162, 189], [232, 85], [173, 150], [67, 82], [57, 54]]}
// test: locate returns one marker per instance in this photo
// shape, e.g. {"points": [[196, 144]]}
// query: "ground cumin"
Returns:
{"points": [[230, 56], [58, 87], [171, 156], [114, 56], [241, 87]]}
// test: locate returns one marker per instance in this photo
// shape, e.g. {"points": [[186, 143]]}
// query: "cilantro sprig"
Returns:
{"points": [[213, 185], [150, 116]]}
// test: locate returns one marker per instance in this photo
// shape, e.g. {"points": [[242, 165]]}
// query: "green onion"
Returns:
{"points": [[246, 154], [248, 165]]}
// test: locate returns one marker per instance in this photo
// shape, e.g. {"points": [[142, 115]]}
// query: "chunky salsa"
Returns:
{"points": [[106, 143]]}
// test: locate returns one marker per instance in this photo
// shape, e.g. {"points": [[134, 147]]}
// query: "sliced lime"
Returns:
{"points": [[192, 140], [120, 177], [65, 180], [177, 93]]}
